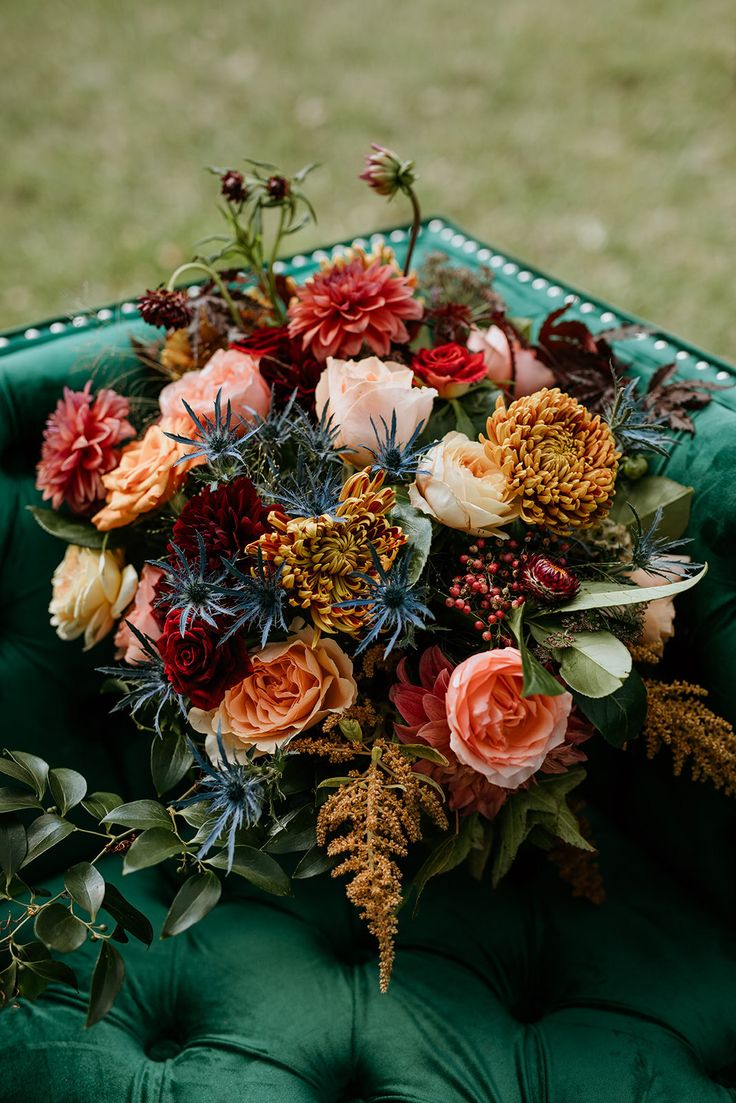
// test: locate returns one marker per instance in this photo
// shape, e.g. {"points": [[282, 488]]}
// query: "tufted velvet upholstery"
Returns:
{"points": [[522, 994]]}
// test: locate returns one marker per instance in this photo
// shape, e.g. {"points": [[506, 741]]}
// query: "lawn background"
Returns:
{"points": [[593, 139]]}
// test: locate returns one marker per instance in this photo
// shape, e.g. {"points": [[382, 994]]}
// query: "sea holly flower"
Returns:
{"points": [[396, 459], [190, 587], [386, 173], [146, 683], [257, 599], [390, 602], [215, 440]]}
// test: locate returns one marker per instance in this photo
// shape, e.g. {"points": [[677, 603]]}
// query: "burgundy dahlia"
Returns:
{"points": [[284, 365], [232, 186], [160, 307], [198, 665], [547, 580], [228, 518], [80, 445]]}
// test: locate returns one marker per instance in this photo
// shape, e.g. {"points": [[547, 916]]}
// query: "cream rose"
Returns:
{"points": [[90, 591], [359, 393], [461, 487], [493, 729], [659, 615], [290, 687]]}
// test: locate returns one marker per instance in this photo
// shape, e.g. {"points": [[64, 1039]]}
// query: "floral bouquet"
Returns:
{"points": [[379, 564]]}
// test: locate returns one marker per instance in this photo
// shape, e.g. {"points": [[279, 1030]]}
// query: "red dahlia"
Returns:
{"points": [[228, 518], [451, 368], [197, 664]]}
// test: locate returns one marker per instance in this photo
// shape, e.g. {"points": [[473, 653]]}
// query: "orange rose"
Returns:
{"points": [[502, 735], [235, 374], [290, 687], [148, 474]]}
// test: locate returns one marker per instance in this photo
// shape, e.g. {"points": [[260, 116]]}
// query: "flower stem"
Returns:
{"points": [[270, 276], [200, 266], [416, 224]]}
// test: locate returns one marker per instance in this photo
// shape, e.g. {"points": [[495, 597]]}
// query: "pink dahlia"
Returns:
{"points": [[355, 302], [80, 445], [423, 708]]}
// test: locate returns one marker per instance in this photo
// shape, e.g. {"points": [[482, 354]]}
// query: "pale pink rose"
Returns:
{"points": [[356, 392], [493, 729], [531, 374], [659, 615], [140, 614], [233, 373]]}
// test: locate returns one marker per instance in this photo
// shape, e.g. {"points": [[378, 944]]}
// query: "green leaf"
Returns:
{"points": [[153, 846], [463, 424], [537, 680], [54, 972], [65, 528], [620, 716], [646, 496], [418, 531], [59, 929], [99, 804], [298, 834], [196, 897], [596, 664], [257, 867], [28, 768], [126, 915], [13, 849], [45, 832], [12, 801], [107, 981], [67, 788], [334, 782], [423, 750], [602, 595], [448, 854], [542, 805], [170, 760], [314, 862], [8, 980], [140, 814], [86, 886]]}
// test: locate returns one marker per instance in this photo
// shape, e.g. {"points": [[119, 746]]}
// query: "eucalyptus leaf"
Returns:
{"points": [[596, 664], [107, 981], [45, 832], [315, 862], [170, 760], [59, 929], [155, 845], [86, 886], [423, 750], [67, 787], [54, 972], [11, 800], [8, 980], [13, 849], [299, 834], [28, 768], [126, 915], [604, 595], [196, 897], [141, 814], [257, 867], [448, 854], [418, 531]]}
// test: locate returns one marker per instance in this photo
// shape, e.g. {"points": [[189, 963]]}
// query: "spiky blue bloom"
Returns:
{"points": [[318, 439], [634, 428], [311, 490], [658, 555], [399, 462], [193, 590], [216, 440], [257, 600], [236, 793], [146, 683], [273, 430], [395, 606]]}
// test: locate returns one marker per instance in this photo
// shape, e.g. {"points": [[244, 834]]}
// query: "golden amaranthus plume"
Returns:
{"points": [[323, 556], [677, 718], [380, 807], [558, 459]]}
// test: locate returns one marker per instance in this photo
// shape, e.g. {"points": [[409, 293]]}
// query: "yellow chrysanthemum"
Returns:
{"points": [[321, 555], [558, 459]]}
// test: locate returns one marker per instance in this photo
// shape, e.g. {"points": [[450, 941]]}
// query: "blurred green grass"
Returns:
{"points": [[595, 140]]}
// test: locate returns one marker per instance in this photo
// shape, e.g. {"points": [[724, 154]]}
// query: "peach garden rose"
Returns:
{"points": [[290, 688], [140, 614], [234, 374], [502, 735], [359, 393]]}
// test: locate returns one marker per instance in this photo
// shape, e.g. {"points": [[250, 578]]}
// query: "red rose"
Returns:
{"points": [[228, 518], [284, 364], [450, 368], [196, 666]]}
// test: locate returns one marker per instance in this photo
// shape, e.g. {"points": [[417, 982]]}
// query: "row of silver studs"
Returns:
{"points": [[438, 228]]}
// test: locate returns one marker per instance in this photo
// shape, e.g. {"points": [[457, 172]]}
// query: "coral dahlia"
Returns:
{"points": [[355, 301], [559, 460], [80, 446]]}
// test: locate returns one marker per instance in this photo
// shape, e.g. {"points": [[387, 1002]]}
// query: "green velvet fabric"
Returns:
{"points": [[523, 995]]}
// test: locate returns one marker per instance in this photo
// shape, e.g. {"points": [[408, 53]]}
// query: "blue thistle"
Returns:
{"points": [[655, 554], [634, 428], [274, 430], [399, 462], [318, 439], [145, 682], [215, 440], [258, 600], [395, 606], [311, 490], [193, 589], [235, 792]]}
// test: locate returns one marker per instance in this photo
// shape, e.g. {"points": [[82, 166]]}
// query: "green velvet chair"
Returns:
{"points": [[522, 995]]}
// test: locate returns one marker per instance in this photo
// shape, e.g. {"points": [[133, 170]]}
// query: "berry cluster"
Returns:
{"points": [[499, 575]]}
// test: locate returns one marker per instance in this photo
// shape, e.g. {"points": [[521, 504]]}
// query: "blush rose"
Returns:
{"points": [[530, 374], [232, 373]]}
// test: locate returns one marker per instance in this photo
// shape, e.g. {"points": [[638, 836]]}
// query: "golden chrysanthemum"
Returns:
{"points": [[323, 556], [559, 460]]}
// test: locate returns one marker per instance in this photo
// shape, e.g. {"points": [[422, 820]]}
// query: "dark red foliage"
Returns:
{"points": [[284, 364]]}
